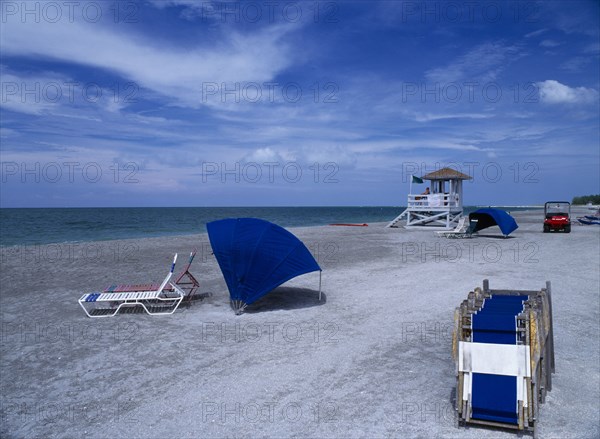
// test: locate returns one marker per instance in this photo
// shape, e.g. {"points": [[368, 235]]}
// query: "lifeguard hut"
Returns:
{"points": [[442, 208]]}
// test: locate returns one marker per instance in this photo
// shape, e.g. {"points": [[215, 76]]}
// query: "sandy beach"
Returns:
{"points": [[372, 359]]}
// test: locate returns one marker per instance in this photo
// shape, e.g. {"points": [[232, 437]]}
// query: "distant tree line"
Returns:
{"points": [[584, 199]]}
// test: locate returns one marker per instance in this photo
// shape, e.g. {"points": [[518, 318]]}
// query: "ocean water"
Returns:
{"points": [[45, 226]]}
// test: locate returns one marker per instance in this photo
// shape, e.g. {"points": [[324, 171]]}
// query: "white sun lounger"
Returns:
{"points": [[460, 228], [146, 299]]}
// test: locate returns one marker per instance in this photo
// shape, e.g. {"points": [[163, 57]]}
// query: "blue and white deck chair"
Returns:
{"points": [[160, 301], [495, 366]]}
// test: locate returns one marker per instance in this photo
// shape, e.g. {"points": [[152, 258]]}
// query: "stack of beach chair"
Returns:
{"points": [[504, 352]]}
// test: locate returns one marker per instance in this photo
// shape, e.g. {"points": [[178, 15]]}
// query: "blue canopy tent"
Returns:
{"points": [[257, 256], [484, 218]]}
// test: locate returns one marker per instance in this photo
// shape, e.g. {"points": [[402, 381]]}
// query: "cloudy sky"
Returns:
{"points": [[185, 103]]}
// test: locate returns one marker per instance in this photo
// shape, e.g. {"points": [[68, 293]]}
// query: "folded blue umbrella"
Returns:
{"points": [[256, 256], [488, 217]]}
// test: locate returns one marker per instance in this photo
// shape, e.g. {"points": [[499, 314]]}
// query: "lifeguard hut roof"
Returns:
{"points": [[446, 174]]}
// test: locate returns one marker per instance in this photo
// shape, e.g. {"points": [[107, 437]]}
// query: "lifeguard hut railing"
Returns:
{"points": [[433, 201]]}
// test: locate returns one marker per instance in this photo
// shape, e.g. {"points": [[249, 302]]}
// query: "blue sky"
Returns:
{"points": [[183, 103]]}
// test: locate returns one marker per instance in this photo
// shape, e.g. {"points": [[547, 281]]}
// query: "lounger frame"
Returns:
{"points": [[460, 228], [185, 280], [146, 299]]}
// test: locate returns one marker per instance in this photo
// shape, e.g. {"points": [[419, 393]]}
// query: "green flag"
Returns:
{"points": [[417, 180]]}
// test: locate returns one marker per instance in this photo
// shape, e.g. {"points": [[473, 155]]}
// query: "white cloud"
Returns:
{"points": [[161, 4], [322, 154], [553, 92], [29, 95], [550, 43], [576, 64], [263, 155], [8, 132], [47, 93], [582, 19], [427, 117], [535, 33], [483, 62], [172, 71]]}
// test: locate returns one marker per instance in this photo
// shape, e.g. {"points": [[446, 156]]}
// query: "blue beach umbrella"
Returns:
{"points": [[256, 256], [491, 217]]}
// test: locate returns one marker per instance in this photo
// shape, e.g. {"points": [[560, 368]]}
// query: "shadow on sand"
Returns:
{"points": [[286, 298], [493, 236]]}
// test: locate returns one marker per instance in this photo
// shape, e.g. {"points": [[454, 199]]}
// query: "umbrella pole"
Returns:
{"points": [[238, 306], [320, 273]]}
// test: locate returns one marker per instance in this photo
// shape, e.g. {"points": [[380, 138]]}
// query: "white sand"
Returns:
{"points": [[373, 360]]}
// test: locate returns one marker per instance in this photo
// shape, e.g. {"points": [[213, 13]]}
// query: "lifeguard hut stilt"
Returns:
{"points": [[442, 208]]}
